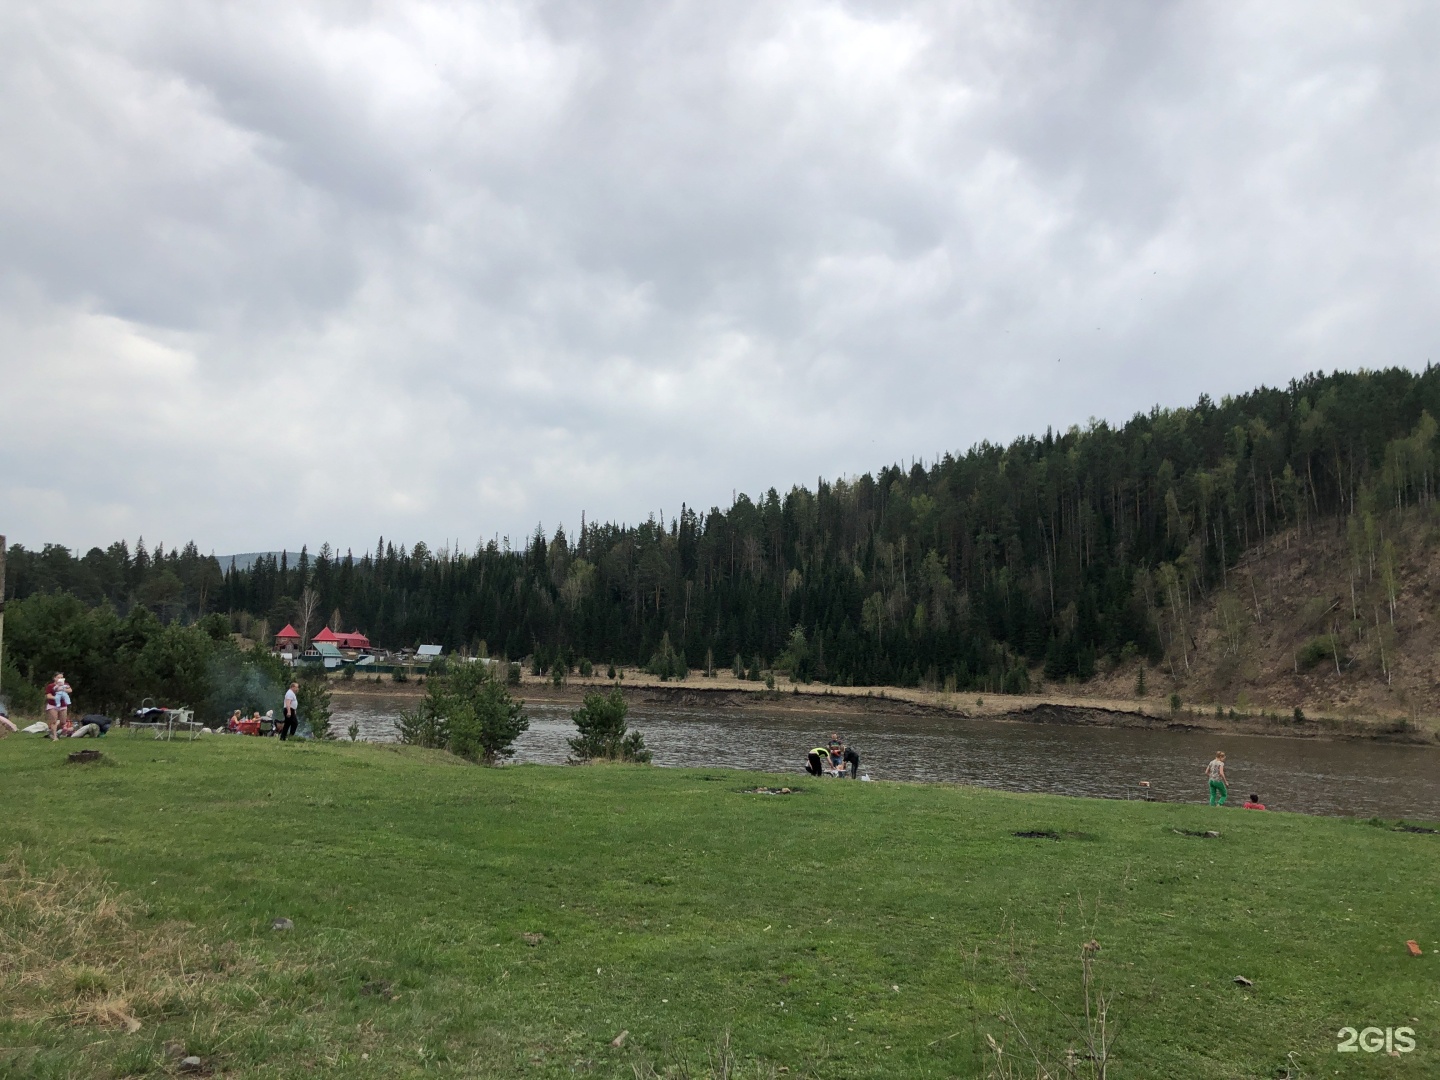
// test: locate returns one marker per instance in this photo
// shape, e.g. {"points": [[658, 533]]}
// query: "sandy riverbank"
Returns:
{"points": [[726, 692]]}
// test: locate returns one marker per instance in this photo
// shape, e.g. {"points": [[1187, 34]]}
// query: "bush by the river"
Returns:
{"points": [[467, 711], [603, 735]]}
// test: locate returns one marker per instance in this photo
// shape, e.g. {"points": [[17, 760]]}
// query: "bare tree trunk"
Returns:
{"points": [[1380, 640], [309, 604]]}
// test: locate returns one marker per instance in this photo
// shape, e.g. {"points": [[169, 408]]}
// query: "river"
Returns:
{"points": [[1312, 776]]}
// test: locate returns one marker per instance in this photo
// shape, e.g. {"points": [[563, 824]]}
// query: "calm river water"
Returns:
{"points": [[1311, 776]]}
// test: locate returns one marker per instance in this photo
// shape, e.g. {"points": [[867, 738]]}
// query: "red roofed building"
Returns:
{"points": [[288, 636], [356, 641]]}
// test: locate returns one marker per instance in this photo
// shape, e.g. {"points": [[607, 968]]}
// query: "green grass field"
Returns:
{"points": [[849, 930]]}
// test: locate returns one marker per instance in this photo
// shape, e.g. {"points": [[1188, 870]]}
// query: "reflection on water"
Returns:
{"points": [[1306, 775]]}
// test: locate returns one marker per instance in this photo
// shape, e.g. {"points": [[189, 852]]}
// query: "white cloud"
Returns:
{"points": [[274, 273]]}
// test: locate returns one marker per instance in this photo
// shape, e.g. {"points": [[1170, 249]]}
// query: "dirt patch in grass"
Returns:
{"points": [[771, 791]]}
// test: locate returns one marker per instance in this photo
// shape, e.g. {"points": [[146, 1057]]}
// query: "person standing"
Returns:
{"points": [[1219, 789], [52, 710], [292, 712], [843, 755], [62, 698]]}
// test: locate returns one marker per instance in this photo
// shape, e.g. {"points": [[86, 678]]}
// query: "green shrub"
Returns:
{"points": [[21, 696], [667, 663], [1175, 704], [467, 712], [314, 695], [586, 668], [795, 659], [610, 672], [398, 675], [601, 723], [512, 675], [420, 727], [1317, 651]]}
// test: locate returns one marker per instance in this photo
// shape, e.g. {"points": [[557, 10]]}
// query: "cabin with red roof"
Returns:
{"points": [[355, 642]]}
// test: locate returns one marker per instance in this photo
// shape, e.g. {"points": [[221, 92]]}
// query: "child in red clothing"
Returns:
{"points": [[1254, 803]]}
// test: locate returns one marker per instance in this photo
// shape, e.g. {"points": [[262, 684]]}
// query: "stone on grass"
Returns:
{"points": [[281, 924], [190, 1064]]}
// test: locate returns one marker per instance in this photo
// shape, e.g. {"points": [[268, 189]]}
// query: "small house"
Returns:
{"points": [[329, 654]]}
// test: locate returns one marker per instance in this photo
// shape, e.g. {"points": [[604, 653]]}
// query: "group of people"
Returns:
{"points": [[835, 757], [59, 725], [58, 722], [1220, 786], [265, 725], [832, 759]]}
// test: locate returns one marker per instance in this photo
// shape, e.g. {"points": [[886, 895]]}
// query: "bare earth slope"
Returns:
{"points": [[1307, 620]]}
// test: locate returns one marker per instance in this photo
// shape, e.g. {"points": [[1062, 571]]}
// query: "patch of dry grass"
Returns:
{"points": [[72, 950], [77, 954]]}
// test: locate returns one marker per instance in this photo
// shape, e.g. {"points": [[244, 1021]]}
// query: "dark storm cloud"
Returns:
{"points": [[297, 272]]}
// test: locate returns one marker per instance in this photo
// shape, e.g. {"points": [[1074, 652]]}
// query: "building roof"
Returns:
{"points": [[429, 650], [324, 648], [325, 635], [288, 634], [355, 640]]}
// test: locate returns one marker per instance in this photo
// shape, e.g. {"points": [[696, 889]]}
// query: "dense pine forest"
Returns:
{"points": [[976, 571]]}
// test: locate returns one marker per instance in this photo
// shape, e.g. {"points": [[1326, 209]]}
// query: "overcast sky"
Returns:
{"points": [[276, 273]]}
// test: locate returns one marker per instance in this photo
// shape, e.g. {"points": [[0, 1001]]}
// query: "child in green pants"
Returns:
{"points": [[1216, 771]]}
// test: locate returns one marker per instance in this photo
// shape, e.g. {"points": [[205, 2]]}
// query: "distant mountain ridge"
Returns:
{"points": [[243, 561]]}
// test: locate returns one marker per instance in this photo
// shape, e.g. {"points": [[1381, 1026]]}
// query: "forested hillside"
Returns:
{"points": [[987, 568]]}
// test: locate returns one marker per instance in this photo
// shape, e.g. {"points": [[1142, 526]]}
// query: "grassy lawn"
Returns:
{"points": [[849, 930]]}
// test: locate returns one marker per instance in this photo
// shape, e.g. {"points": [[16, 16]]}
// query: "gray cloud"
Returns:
{"points": [[273, 273]]}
